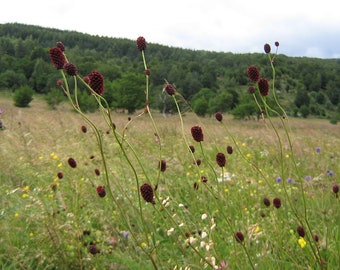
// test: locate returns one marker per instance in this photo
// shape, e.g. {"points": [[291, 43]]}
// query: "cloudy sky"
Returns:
{"points": [[303, 28]]}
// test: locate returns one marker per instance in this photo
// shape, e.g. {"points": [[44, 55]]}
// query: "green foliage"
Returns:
{"points": [[54, 97], [23, 96]]}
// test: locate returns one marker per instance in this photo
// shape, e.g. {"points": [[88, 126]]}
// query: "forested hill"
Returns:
{"points": [[210, 81]]}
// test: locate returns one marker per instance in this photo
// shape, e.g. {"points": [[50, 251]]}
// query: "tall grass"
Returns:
{"points": [[197, 214]]}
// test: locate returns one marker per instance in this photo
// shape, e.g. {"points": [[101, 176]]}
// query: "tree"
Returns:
{"points": [[23, 96]]}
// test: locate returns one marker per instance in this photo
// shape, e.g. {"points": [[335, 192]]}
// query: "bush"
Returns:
{"points": [[23, 96]]}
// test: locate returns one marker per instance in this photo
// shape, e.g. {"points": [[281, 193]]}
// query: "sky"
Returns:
{"points": [[303, 28]]}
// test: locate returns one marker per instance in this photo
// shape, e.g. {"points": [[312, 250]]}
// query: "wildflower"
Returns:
{"points": [[59, 82], [204, 216], [72, 162], [162, 165], [251, 89], [239, 237], [204, 179], [218, 116], [57, 57], [61, 46], [308, 178], [318, 149], [263, 86], [169, 88], [196, 185], [60, 175], [253, 73], [147, 72], [96, 171], [266, 48], [301, 231], [96, 82], [197, 133], [289, 180], [101, 191], [197, 162], [302, 242], [316, 238], [192, 148], [229, 149], [93, 249], [147, 193], [126, 234], [330, 172], [277, 203], [266, 202], [84, 129], [278, 179], [277, 44], [336, 190], [170, 231], [141, 44], [220, 159], [71, 69]]}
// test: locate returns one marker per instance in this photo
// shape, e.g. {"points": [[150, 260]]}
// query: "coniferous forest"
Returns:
{"points": [[209, 81]]}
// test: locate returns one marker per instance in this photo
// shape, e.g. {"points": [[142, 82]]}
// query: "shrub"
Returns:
{"points": [[23, 96]]}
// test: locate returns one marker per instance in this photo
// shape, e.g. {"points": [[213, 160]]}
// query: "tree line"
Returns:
{"points": [[209, 81]]}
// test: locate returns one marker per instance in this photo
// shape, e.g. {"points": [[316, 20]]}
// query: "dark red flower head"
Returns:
{"points": [[101, 191], [277, 44], [197, 133], [192, 148], [336, 188], [169, 88], [218, 116], [253, 73], [266, 48], [84, 129], [93, 249], [60, 175], [220, 159], [301, 231], [57, 57], [251, 89], [277, 203], [229, 149], [141, 44], [61, 46], [263, 86], [96, 171], [72, 162], [266, 202], [239, 237], [96, 82], [162, 165], [147, 72], [147, 193], [71, 69]]}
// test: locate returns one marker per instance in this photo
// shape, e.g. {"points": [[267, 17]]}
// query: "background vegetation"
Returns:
{"points": [[209, 81]]}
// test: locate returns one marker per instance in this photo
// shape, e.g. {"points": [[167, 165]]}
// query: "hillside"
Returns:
{"points": [[209, 81]]}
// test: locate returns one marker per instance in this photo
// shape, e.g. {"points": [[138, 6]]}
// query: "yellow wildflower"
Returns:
{"points": [[302, 242]]}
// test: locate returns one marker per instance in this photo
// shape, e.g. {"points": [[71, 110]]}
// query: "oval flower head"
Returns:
{"points": [[197, 133]]}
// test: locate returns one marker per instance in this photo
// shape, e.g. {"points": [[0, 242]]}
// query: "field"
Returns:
{"points": [[274, 205]]}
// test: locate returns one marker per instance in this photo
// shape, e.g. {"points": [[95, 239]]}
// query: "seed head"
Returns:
{"points": [[97, 172], [218, 116], [197, 133], [266, 48], [101, 191], [192, 148], [239, 237], [71, 69], [277, 203], [301, 231], [220, 159], [147, 72], [141, 44], [84, 129], [72, 162], [253, 73], [57, 57], [263, 86], [147, 193], [96, 82], [197, 162]]}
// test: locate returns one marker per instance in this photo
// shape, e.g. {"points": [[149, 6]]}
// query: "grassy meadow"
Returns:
{"points": [[52, 215]]}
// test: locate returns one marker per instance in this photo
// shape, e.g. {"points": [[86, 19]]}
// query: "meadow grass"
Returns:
{"points": [[50, 223]]}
